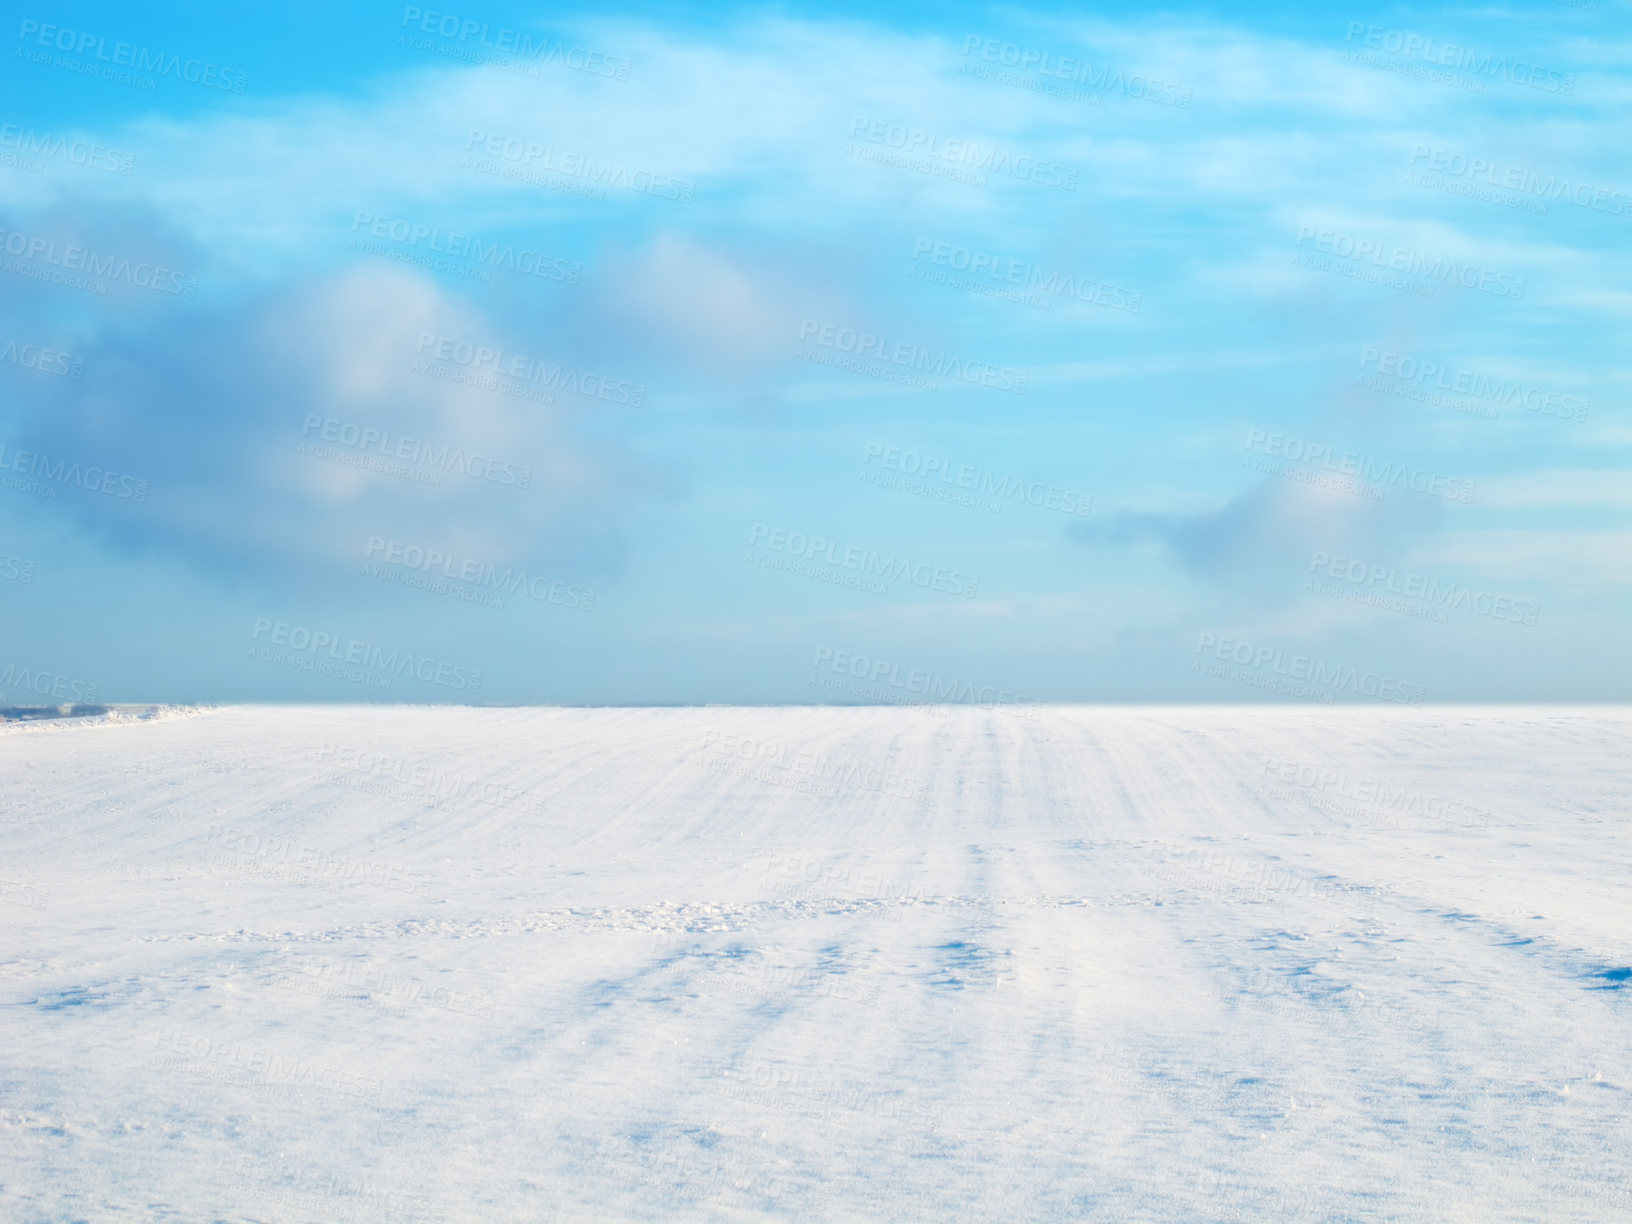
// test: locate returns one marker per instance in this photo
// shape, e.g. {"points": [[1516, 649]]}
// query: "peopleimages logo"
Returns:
{"points": [[77, 152], [863, 561], [44, 684], [78, 259], [440, 783], [1075, 71], [333, 649], [864, 346], [196, 1053], [1454, 55], [416, 450], [477, 574], [1306, 669], [431, 240], [1394, 798], [525, 369], [1412, 263], [537, 158], [94, 479], [1497, 392], [1363, 467], [520, 43], [129, 55], [1008, 271], [1387, 580], [1525, 182], [318, 864], [314, 1192], [46, 361], [885, 680], [816, 768], [915, 142], [977, 480]]}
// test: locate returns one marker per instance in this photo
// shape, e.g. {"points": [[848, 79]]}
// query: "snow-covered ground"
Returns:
{"points": [[375, 963]]}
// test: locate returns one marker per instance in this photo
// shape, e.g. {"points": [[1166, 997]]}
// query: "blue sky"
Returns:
{"points": [[1252, 353]]}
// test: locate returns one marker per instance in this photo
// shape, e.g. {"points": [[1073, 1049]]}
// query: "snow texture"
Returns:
{"points": [[1165, 964]]}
